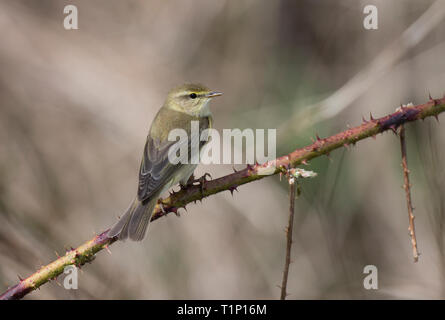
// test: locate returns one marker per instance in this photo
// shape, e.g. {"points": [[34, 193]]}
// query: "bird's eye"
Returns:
{"points": [[193, 95]]}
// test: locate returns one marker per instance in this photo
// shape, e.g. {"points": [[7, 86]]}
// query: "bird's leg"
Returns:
{"points": [[191, 180]]}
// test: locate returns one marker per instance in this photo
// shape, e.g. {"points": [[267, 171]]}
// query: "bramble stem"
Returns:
{"points": [[289, 228]]}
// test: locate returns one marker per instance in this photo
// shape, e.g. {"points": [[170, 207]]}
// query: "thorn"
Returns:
{"points": [[234, 170], [437, 117], [364, 120], [429, 96], [393, 128], [304, 161], [318, 138], [371, 117], [20, 278], [346, 145], [231, 189]]}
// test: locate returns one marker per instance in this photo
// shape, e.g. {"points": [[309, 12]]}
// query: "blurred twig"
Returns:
{"points": [[363, 80], [86, 252], [407, 187]]}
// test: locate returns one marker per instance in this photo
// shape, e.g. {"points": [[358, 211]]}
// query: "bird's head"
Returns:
{"points": [[192, 99]]}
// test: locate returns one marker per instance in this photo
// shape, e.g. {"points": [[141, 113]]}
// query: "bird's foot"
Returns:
{"points": [[161, 205]]}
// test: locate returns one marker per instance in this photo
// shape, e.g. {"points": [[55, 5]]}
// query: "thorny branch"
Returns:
{"points": [[369, 128], [407, 186]]}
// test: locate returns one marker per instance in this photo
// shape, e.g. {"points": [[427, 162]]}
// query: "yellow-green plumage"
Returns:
{"points": [[183, 105]]}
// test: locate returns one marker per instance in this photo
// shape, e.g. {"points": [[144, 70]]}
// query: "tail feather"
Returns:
{"points": [[134, 223]]}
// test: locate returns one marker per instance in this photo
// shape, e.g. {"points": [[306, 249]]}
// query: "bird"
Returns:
{"points": [[183, 105]]}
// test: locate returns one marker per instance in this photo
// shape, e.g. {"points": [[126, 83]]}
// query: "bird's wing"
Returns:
{"points": [[156, 169]]}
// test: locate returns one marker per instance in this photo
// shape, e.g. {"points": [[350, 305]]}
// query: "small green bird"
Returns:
{"points": [[184, 104]]}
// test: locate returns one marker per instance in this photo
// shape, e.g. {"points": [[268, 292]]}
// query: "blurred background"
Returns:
{"points": [[75, 107]]}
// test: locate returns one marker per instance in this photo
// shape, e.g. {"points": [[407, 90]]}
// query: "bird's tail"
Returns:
{"points": [[133, 224]]}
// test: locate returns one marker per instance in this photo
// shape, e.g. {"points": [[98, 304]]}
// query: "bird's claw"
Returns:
{"points": [[161, 205], [204, 177]]}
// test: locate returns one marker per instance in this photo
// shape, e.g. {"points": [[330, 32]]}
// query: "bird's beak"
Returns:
{"points": [[213, 94]]}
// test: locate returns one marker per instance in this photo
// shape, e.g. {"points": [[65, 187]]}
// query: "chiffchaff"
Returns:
{"points": [[184, 104]]}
